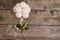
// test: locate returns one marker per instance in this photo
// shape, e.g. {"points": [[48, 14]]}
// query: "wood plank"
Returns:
{"points": [[7, 18]]}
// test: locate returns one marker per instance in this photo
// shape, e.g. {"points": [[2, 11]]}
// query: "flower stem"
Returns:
{"points": [[22, 35], [21, 20]]}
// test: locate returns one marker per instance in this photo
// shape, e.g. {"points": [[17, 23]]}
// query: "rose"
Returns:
{"points": [[21, 10]]}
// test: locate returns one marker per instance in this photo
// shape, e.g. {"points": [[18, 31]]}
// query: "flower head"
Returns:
{"points": [[22, 10]]}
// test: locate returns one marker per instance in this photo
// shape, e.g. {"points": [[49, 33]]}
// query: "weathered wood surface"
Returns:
{"points": [[44, 21], [6, 17], [34, 33]]}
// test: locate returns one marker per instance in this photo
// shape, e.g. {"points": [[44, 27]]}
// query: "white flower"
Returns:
{"points": [[16, 8], [18, 15], [21, 10]]}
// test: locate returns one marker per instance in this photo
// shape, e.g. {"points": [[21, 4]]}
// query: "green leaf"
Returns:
{"points": [[26, 28], [25, 25], [19, 26]]}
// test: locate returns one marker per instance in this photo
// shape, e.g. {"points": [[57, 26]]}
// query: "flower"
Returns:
{"points": [[22, 10]]}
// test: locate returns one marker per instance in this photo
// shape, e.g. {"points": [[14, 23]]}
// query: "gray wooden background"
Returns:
{"points": [[44, 20]]}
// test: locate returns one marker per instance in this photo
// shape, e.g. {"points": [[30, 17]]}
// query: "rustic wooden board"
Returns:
{"points": [[8, 4], [7, 18], [34, 33], [38, 4]]}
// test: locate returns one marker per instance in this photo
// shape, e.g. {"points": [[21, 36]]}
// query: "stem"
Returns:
{"points": [[22, 35], [21, 20]]}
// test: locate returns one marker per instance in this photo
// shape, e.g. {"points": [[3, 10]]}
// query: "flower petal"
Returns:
{"points": [[18, 15], [14, 8], [26, 16], [25, 7]]}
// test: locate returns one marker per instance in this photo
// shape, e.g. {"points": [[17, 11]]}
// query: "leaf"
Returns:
{"points": [[25, 25], [19, 26], [26, 28]]}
